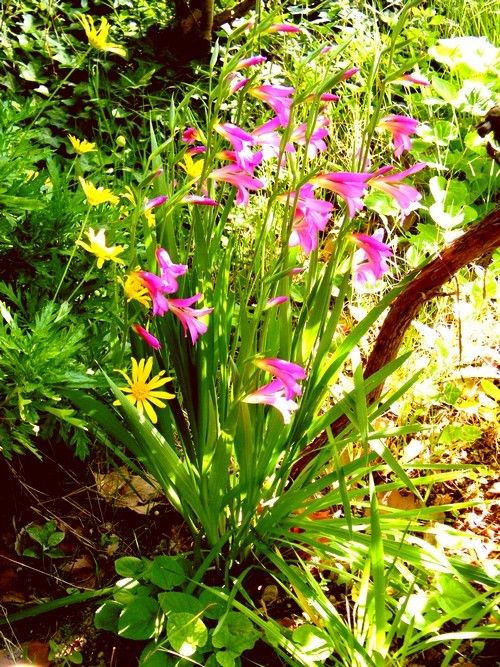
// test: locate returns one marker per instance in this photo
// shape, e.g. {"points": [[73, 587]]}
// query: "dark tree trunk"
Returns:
{"points": [[190, 36]]}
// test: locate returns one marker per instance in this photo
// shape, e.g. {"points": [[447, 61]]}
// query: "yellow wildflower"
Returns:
{"points": [[98, 248], [99, 38], [135, 289], [193, 169], [81, 147], [143, 393], [150, 217], [96, 196]]}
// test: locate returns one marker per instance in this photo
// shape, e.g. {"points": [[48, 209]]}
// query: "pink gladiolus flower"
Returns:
{"points": [[196, 150], [275, 301], [314, 142], [350, 72], [266, 136], [273, 394], [310, 217], [188, 317], [250, 62], [413, 78], [401, 127], [155, 202], [329, 97], [278, 98], [238, 137], [250, 162], [190, 135], [324, 97], [405, 195], [369, 260], [236, 82], [284, 27], [287, 372], [240, 179], [241, 142], [350, 186], [169, 272], [156, 287], [201, 200], [146, 336]]}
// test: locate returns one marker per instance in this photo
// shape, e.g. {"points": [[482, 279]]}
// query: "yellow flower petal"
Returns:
{"points": [[99, 38], [142, 392], [98, 248], [81, 147], [96, 196]]}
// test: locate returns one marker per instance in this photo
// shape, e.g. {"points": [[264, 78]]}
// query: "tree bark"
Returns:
{"points": [[235, 12], [482, 239]]}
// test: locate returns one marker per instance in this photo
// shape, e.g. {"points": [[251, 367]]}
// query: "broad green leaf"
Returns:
{"points": [[314, 644], [177, 602], [214, 607], [126, 590], [455, 597], [490, 389], [130, 566], [445, 89], [454, 433], [381, 203], [226, 658], [106, 617], [54, 539], [167, 572], [235, 632], [469, 55], [153, 656], [138, 619], [186, 632]]}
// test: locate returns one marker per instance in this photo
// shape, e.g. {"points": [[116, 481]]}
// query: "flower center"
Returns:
{"points": [[140, 391]]}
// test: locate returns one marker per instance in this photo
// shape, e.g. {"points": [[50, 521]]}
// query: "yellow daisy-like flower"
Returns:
{"points": [[135, 290], [193, 168], [81, 147], [98, 248], [143, 393], [96, 196], [99, 38]]}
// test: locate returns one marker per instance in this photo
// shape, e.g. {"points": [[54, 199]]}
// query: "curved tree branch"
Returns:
{"points": [[482, 239], [235, 12]]}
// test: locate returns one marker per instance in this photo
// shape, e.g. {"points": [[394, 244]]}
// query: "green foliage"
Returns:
{"points": [[226, 465], [47, 538], [39, 359], [180, 622]]}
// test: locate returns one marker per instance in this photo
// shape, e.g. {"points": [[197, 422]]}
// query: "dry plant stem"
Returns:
{"points": [[480, 240]]}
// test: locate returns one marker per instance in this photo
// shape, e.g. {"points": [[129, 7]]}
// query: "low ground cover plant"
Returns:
{"points": [[212, 298]]}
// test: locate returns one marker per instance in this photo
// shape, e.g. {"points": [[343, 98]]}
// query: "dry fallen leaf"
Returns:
{"points": [[122, 489], [399, 499]]}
